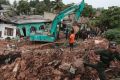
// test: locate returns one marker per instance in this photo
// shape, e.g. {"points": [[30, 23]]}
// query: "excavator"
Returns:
{"points": [[51, 35]]}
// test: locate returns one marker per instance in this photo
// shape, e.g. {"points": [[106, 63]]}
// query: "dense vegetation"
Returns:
{"points": [[38, 7], [110, 18], [113, 35]]}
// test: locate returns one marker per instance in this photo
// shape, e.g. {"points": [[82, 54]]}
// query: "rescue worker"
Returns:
{"points": [[106, 56], [71, 39]]}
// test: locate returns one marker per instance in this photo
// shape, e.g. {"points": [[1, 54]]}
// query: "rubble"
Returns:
{"points": [[32, 62]]}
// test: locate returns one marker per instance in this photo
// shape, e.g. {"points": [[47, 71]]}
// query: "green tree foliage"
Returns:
{"points": [[23, 7], [13, 10], [58, 5], [113, 35], [33, 3], [110, 18], [58, 0], [47, 3], [40, 8], [88, 11], [6, 2]]}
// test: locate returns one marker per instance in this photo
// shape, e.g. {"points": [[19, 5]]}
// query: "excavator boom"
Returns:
{"points": [[77, 9]]}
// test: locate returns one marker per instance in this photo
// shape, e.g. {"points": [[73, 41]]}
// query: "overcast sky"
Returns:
{"points": [[94, 3]]}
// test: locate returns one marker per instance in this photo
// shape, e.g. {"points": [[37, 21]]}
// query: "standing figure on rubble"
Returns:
{"points": [[66, 33], [106, 56], [71, 39]]}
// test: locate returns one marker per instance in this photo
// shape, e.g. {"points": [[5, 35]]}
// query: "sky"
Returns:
{"points": [[94, 3]]}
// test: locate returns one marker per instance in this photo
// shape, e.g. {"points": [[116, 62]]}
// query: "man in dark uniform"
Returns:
{"points": [[106, 56], [66, 33]]}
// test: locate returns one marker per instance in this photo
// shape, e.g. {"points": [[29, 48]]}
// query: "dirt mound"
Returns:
{"points": [[34, 63]]}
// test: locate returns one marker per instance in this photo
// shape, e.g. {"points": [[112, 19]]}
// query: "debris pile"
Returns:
{"points": [[30, 63]]}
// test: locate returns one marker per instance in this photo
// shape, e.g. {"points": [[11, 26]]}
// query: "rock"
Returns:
{"points": [[21, 76], [16, 67], [77, 77], [65, 66], [72, 70], [98, 41], [15, 70], [13, 46], [78, 62], [8, 46], [4, 67], [23, 65], [57, 72]]}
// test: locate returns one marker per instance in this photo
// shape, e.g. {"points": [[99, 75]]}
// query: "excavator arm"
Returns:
{"points": [[77, 9], [80, 9]]}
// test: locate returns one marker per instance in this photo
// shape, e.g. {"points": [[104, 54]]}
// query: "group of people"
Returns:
{"points": [[83, 34], [106, 56]]}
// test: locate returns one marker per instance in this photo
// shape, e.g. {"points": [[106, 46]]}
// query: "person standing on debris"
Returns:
{"points": [[66, 33], [71, 39], [106, 56]]}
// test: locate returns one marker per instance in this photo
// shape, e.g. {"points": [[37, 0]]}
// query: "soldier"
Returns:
{"points": [[66, 33], [106, 56]]}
